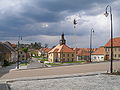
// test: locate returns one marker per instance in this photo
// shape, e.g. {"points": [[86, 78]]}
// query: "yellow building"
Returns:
{"points": [[116, 49], [61, 53]]}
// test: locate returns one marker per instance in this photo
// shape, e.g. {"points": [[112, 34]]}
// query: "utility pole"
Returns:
{"points": [[19, 38], [18, 56]]}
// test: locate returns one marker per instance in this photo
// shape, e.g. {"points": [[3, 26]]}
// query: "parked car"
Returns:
{"points": [[41, 61], [23, 61]]}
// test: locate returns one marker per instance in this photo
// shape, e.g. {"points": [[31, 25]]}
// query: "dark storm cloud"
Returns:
{"points": [[70, 5], [45, 11]]}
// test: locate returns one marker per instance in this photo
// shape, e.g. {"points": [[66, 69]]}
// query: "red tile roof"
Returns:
{"points": [[83, 52], [99, 51], [14, 45], [45, 49], [61, 48], [116, 42]]}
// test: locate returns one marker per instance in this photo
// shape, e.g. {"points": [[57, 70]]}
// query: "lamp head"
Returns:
{"points": [[74, 22], [106, 13]]}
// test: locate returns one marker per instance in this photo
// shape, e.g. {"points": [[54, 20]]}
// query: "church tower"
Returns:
{"points": [[62, 41]]}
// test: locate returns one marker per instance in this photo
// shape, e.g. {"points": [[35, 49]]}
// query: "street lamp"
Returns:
{"points": [[106, 14], [91, 32], [75, 23]]}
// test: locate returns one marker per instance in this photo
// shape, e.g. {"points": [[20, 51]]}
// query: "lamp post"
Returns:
{"points": [[106, 14], [91, 32], [75, 23]]}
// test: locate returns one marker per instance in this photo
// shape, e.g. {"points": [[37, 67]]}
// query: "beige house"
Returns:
{"points": [[116, 49], [61, 53], [44, 52]]}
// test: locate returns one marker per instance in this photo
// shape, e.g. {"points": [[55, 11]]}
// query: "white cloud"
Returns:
{"points": [[44, 25]]}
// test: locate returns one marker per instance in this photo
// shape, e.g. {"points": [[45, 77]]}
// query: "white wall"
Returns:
{"points": [[97, 58]]}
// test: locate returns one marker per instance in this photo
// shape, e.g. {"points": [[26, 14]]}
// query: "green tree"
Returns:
{"points": [[26, 51]]}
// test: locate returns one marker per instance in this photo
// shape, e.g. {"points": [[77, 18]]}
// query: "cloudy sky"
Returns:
{"points": [[45, 20]]}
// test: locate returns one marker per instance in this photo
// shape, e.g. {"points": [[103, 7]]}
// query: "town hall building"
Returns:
{"points": [[61, 52]]}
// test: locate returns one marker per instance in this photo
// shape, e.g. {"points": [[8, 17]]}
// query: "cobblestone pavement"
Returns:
{"points": [[97, 82], [74, 69], [4, 86]]}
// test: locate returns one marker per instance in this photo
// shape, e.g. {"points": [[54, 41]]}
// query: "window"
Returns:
{"points": [[119, 49], [101, 57], [68, 55], [115, 55], [119, 55], [21, 52], [72, 55], [115, 49], [106, 49], [68, 59], [94, 57], [63, 55]]}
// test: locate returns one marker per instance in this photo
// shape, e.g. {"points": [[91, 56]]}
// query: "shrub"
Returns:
{"points": [[6, 63]]}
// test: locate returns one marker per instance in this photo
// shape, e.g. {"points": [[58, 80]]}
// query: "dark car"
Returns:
{"points": [[23, 61], [41, 61]]}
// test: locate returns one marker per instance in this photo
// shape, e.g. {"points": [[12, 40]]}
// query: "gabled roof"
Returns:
{"points": [[83, 52], [4, 48], [116, 42], [99, 51], [9, 46], [45, 49], [13, 45], [61, 48]]}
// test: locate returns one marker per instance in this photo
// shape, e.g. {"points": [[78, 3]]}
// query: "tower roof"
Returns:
{"points": [[62, 41]]}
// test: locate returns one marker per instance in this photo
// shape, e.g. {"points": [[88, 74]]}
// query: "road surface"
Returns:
{"points": [[73, 69]]}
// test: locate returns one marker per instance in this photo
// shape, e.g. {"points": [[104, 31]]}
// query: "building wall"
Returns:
{"points": [[22, 55], [39, 53], [13, 56], [1, 60], [61, 57], [97, 58], [83, 58], [116, 53], [66, 57]]}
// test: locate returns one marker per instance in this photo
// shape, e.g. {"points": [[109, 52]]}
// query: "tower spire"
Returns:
{"points": [[62, 41]]}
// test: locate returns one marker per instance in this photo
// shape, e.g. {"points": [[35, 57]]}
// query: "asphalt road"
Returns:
{"points": [[35, 64], [73, 69]]}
